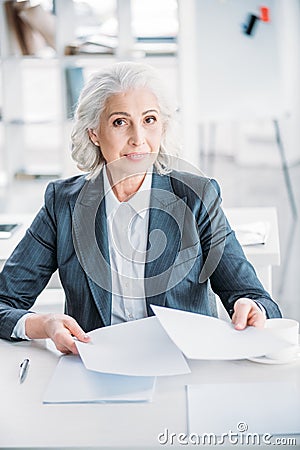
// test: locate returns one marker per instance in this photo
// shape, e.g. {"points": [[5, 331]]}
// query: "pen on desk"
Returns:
{"points": [[24, 366]]}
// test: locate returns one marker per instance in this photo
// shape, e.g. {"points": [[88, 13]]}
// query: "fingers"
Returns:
{"points": [[72, 329], [240, 315], [64, 342], [75, 329], [61, 329], [247, 313], [256, 318]]}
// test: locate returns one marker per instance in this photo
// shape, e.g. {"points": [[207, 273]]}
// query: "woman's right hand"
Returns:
{"points": [[61, 328]]}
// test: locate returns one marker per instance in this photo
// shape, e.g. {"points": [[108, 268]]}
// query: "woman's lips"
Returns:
{"points": [[136, 156]]}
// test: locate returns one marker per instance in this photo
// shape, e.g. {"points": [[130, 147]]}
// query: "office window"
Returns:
{"points": [[155, 19], [96, 17], [155, 26]]}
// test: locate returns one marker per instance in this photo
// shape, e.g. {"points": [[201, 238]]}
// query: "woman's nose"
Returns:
{"points": [[137, 136]]}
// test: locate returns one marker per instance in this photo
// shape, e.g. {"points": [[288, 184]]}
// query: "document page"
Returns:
{"points": [[140, 348], [73, 383], [203, 337], [252, 233], [272, 408]]}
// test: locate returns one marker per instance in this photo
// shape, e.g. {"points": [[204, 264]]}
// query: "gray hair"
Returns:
{"points": [[117, 78]]}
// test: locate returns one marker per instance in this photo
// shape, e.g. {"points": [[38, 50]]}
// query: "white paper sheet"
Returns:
{"points": [[203, 337], [73, 383], [252, 233], [272, 408], [141, 347]]}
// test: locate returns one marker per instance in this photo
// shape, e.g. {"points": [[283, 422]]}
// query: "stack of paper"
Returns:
{"points": [[120, 364], [73, 383], [121, 361]]}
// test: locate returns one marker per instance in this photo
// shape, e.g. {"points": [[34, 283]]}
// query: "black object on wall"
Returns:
{"points": [[249, 26]]}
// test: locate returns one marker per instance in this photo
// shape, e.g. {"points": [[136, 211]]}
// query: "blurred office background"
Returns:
{"points": [[233, 68]]}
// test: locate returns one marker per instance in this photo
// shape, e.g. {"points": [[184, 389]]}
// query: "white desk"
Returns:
{"points": [[26, 423], [262, 257], [8, 245]]}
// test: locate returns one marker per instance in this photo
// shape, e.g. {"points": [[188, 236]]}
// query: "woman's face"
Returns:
{"points": [[130, 127]]}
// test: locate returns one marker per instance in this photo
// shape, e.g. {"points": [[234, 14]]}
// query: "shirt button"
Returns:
{"points": [[130, 316]]}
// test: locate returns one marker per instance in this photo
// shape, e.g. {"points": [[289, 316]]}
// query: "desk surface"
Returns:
{"points": [[26, 423]]}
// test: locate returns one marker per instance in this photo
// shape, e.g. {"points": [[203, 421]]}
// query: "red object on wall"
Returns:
{"points": [[264, 14]]}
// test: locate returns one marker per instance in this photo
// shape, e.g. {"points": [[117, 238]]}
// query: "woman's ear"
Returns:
{"points": [[93, 137]]}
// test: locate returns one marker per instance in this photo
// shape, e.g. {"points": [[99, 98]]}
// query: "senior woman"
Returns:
{"points": [[130, 232]]}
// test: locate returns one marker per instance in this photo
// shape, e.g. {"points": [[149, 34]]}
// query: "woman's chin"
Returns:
{"points": [[131, 165]]}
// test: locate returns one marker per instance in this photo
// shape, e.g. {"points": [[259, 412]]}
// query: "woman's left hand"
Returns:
{"points": [[247, 313]]}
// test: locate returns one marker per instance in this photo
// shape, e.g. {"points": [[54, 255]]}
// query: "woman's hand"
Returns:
{"points": [[58, 327], [247, 312]]}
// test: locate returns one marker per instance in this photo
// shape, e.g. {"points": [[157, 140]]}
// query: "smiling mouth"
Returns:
{"points": [[136, 156]]}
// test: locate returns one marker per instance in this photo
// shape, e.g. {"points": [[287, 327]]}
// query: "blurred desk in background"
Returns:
{"points": [[262, 256], [8, 245]]}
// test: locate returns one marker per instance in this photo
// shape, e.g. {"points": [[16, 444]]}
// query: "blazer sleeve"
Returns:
{"points": [[231, 275], [29, 268]]}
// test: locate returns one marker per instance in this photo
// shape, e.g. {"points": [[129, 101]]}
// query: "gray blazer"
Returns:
{"points": [[190, 244]]}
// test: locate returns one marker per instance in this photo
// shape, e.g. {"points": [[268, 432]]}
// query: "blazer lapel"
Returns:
{"points": [[89, 229], [166, 218]]}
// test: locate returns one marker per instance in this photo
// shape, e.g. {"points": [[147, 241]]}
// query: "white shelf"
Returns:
{"points": [[20, 112]]}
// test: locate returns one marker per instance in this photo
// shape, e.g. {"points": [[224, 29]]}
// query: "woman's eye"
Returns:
{"points": [[119, 122], [150, 119]]}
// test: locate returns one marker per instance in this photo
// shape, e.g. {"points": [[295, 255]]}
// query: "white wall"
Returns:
{"points": [[289, 34], [227, 76]]}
